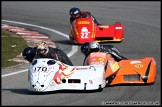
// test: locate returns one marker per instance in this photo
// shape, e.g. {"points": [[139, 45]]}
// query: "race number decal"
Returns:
{"points": [[84, 32], [138, 65], [40, 69]]}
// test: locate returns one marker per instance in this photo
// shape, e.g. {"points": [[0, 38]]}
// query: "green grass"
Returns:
{"points": [[11, 46]]}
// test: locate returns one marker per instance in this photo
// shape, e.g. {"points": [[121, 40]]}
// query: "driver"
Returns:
{"points": [[94, 46], [43, 51], [76, 13]]}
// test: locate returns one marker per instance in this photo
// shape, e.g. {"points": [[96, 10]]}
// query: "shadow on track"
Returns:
{"points": [[131, 85], [27, 92], [19, 91]]}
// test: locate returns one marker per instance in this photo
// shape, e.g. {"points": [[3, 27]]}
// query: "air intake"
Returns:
{"points": [[134, 77], [74, 80]]}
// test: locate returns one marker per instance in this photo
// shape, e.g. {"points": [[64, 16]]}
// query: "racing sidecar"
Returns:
{"points": [[101, 70], [84, 30], [138, 71], [50, 75]]}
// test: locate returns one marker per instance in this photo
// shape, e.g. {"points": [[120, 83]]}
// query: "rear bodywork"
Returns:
{"points": [[84, 30], [139, 71], [113, 32]]}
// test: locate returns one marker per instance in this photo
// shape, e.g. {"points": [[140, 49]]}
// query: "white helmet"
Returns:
{"points": [[94, 46], [42, 46]]}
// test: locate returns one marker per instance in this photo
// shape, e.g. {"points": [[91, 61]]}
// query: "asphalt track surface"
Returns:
{"points": [[142, 39]]}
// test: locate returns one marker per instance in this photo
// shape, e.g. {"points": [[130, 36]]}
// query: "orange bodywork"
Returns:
{"points": [[139, 71]]}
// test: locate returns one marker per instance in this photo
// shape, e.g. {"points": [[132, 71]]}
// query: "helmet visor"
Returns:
{"points": [[94, 49], [76, 15], [41, 51]]}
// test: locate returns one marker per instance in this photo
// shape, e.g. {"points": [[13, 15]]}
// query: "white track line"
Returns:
{"points": [[14, 73], [73, 51]]}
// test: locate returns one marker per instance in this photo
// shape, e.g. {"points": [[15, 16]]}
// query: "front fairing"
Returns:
{"points": [[83, 30], [41, 74]]}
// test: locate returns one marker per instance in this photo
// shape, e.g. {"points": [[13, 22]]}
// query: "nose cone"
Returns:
{"points": [[37, 87], [41, 75]]}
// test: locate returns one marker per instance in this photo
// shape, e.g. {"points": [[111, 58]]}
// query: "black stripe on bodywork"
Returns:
{"points": [[109, 79], [106, 65], [145, 77], [112, 76], [147, 72]]}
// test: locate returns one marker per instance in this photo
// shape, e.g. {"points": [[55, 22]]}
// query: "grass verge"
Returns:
{"points": [[12, 45]]}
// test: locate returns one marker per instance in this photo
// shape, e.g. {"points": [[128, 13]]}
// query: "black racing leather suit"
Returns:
{"points": [[56, 54], [84, 15], [109, 49]]}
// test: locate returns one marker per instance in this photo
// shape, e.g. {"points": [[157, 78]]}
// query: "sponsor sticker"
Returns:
{"points": [[118, 27], [115, 66], [102, 55], [135, 62], [96, 63], [83, 22], [90, 81], [104, 26], [138, 65], [81, 68]]}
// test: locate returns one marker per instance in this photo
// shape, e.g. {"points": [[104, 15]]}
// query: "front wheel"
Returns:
{"points": [[71, 38]]}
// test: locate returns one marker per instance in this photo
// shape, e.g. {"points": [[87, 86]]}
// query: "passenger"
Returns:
{"points": [[94, 46], [43, 51], [76, 13]]}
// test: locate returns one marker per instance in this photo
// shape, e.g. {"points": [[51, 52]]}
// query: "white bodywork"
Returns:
{"points": [[58, 76]]}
